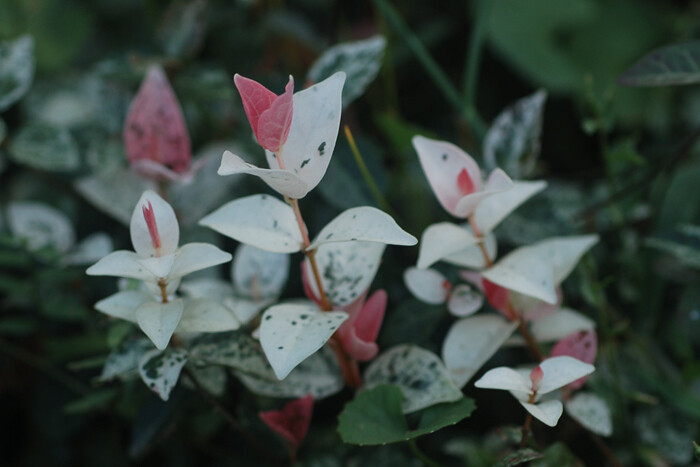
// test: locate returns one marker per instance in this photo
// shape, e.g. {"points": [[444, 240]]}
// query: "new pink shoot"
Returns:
{"points": [[150, 219], [292, 422]]}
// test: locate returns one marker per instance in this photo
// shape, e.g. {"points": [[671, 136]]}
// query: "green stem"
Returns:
{"points": [[419, 454], [369, 180], [476, 46], [432, 68]]}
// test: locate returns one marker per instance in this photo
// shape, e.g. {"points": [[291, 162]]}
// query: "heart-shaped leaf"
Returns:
{"points": [[289, 333], [160, 370]]}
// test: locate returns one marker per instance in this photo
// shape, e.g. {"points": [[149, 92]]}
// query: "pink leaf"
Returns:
{"points": [[270, 116], [582, 345], [359, 333], [535, 377], [292, 422], [497, 297], [155, 128]]}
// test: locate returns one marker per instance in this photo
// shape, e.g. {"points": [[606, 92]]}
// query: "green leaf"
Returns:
{"points": [[16, 70], [3, 130], [360, 60], [519, 457], [683, 243], [376, 417], [513, 141], [671, 65], [97, 400], [697, 451], [45, 147], [160, 370]]}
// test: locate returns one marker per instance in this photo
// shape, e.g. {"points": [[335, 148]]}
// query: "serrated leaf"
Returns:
{"points": [[45, 147], [470, 342], [671, 65], [160, 370], [360, 60], [16, 70], [590, 411], [40, 226], [363, 224], [375, 417], [513, 141], [420, 374], [289, 333], [262, 221]]}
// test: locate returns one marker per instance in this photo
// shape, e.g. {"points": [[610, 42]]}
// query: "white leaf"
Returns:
{"points": [[559, 325], [123, 362], [121, 264], [90, 249], [159, 320], [283, 181], [442, 241], [161, 370], [524, 270], [262, 221], [123, 305], [471, 342], [205, 315], [347, 269], [194, 257], [420, 374], [590, 411], [547, 412], [235, 350], [504, 378], [16, 70], [167, 227], [245, 309], [560, 371], [492, 210], [427, 285], [472, 257], [258, 273], [359, 60], [363, 224], [497, 182], [313, 132], [464, 301], [563, 253], [290, 333], [40, 226], [215, 289]]}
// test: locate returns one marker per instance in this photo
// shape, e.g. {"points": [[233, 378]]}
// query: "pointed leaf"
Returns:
{"points": [[590, 411], [442, 241], [161, 370], [258, 220], [204, 315], [513, 141], [559, 325], [155, 128], [292, 422], [671, 65], [121, 264], [16, 70], [159, 320], [563, 253], [194, 257], [492, 210], [427, 285], [360, 60], [363, 224], [419, 373], [154, 220], [290, 333], [524, 270], [547, 412], [560, 371], [471, 342], [45, 147], [40, 226], [472, 256], [273, 125], [123, 305], [497, 182], [347, 269], [504, 378]]}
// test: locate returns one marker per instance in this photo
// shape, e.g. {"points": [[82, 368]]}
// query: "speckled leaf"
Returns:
{"points": [[513, 141], [363, 224], [471, 342], [236, 350], [115, 194], [590, 411], [318, 375], [347, 269], [289, 333], [492, 210], [45, 147], [262, 221], [123, 361], [420, 374], [16, 70], [442, 241], [360, 60], [671, 65], [314, 131], [160, 370], [211, 378], [259, 274], [40, 226]]}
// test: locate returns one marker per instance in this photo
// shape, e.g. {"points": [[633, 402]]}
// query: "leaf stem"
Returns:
{"points": [[420, 455]]}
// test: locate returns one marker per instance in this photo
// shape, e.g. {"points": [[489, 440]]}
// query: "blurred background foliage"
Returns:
{"points": [[621, 161]]}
